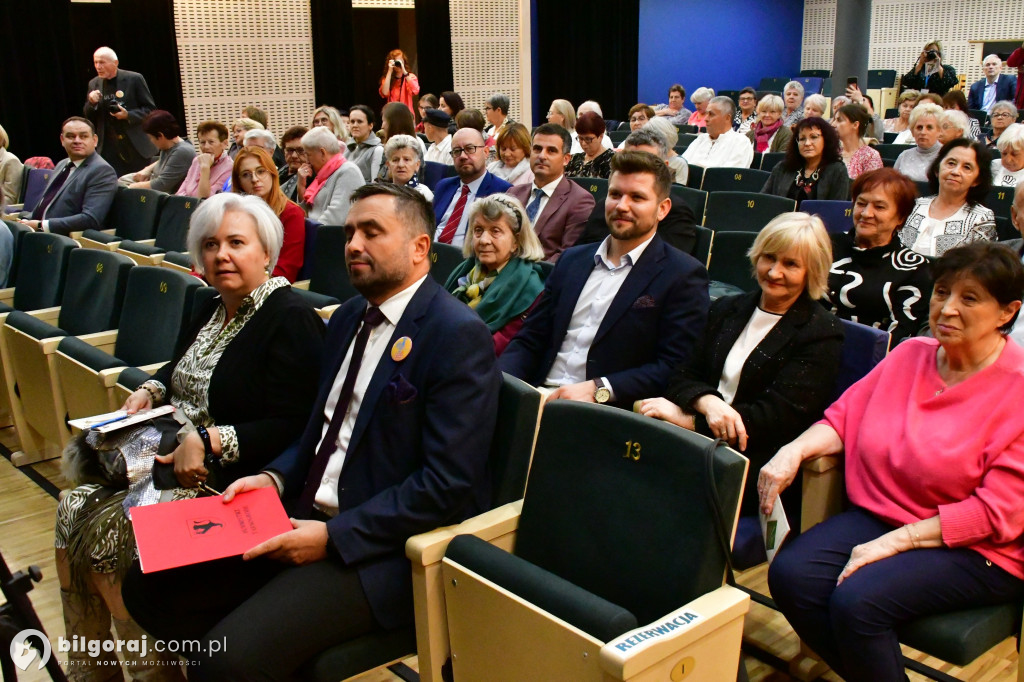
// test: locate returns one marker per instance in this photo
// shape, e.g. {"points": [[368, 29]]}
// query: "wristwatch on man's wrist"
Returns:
{"points": [[602, 393]]}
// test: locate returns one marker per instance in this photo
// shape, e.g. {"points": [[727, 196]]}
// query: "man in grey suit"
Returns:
{"points": [[117, 102], [81, 187]]}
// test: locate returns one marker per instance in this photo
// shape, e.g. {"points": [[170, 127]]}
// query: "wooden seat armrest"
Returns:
{"points": [[428, 548], [151, 369], [102, 246], [820, 465], [301, 284], [690, 631], [47, 315], [328, 310], [7, 295], [109, 377], [97, 339]]}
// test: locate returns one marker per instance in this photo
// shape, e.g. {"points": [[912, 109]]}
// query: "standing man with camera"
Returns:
{"points": [[929, 74], [117, 102]]}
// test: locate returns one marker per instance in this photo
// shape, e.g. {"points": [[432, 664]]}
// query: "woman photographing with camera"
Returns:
{"points": [[398, 84], [929, 73]]}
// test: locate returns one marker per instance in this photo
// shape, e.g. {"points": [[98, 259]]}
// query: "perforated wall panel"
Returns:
{"points": [[900, 28], [243, 52], [491, 53], [385, 4]]}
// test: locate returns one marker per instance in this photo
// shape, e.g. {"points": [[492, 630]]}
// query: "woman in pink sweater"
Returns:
{"points": [[934, 467]]}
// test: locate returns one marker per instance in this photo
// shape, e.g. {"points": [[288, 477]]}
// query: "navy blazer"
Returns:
{"points": [[84, 200], [446, 189], [137, 101], [1006, 88], [652, 326], [418, 454]]}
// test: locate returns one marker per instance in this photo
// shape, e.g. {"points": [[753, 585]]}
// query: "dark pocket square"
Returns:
{"points": [[644, 301], [400, 391]]}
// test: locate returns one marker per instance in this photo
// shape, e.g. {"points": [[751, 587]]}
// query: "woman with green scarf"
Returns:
{"points": [[501, 277]]}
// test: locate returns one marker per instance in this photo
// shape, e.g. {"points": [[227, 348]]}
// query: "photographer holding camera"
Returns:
{"points": [[929, 73], [117, 102], [398, 84]]}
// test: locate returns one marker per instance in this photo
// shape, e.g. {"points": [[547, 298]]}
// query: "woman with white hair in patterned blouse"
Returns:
{"points": [[244, 378]]}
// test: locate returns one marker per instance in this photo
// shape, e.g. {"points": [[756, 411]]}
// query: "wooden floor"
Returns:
{"points": [[26, 537]]}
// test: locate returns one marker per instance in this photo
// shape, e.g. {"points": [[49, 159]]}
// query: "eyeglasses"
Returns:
{"points": [[469, 149], [293, 151], [1002, 114], [587, 139], [637, 119], [809, 140], [261, 173], [747, 98]]}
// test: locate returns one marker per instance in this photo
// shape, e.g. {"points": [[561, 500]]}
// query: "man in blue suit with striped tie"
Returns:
{"points": [[452, 196]]}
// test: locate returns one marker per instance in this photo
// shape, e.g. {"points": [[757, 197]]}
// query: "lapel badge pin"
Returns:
{"points": [[401, 349]]}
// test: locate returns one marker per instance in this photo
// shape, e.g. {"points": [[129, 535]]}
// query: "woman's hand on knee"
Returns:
{"points": [[665, 410], [880, 548]]}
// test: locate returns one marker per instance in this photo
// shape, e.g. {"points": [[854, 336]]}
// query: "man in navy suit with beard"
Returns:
{"points": [[616, 318], [397, 445]]}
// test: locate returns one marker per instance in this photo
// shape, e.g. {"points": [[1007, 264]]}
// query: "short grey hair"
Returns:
{"points": [[496, 206], [649, 137], [957, 119], [661, 125], [728, 106], [1004, 104], [589, 105], [321, 138], [702, 95], [794, 85], [773, 103], [262, 138], [1012, 138], [403, 142], [105, 52], [210, 214], [818, 102], [499, 100]]}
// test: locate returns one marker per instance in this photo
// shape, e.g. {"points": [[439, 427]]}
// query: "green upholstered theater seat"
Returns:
{"points": [[96, 282], [133, 215], [722, 179], [748, 211], [157, 305], [729, 267], [171, 231], [444, 258], [588, 563]]}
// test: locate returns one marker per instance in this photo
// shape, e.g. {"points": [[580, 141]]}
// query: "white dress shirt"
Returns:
{"points": [[728, 150], [44, 224], [460, 231], [327, 495], [547, 190], [440, 152], [570, 366]]}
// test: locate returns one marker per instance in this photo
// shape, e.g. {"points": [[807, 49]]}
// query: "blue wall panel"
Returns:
{"points": [[725, 46]]}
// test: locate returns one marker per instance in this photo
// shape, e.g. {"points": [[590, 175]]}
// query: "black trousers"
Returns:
{"points": [[253, 620]]}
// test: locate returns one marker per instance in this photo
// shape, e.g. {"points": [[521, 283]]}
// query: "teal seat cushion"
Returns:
{"points": [[359, 655], [33, 327], [89, 356], [101, 237], [961, 636]]}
